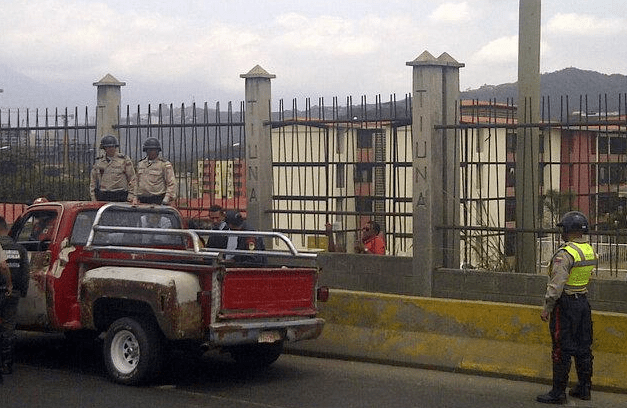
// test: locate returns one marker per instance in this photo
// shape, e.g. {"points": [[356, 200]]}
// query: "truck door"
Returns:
{"points": [[36, 232]]}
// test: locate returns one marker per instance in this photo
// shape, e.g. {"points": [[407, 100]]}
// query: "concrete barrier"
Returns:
{"points": [[491, 338]]}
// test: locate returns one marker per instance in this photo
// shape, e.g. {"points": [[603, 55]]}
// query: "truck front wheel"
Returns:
{"points": [[132, 351]]}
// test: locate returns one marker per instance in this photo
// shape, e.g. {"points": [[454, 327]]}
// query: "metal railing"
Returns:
{"points": [[346, 162]]}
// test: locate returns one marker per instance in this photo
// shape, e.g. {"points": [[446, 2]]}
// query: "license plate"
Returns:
{"points": [[269, 337]]}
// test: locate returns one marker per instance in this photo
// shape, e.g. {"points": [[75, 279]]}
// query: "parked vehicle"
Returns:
{"points": [[136, 274]]}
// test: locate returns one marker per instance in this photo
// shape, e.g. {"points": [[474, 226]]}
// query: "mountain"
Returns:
{"points": [[587, 91], [574, 83], [19, 91]]}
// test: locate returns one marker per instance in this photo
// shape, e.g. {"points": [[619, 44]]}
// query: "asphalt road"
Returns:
{"points": [[52, 372]]}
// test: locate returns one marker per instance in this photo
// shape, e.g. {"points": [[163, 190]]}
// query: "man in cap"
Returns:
{"points": [[6, 284], [235, 222], [371, 242], [113, 175], [17, 262], [156, 182], [566, 306], [217, 219]]}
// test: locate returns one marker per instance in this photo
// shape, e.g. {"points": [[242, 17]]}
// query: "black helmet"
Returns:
{"points": [[152, 143], [573, 221], [109, 141]]}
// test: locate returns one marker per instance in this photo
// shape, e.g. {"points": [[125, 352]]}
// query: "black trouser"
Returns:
{"points": [[571, 334], [154, 199], [8, 313], [119, 195]]}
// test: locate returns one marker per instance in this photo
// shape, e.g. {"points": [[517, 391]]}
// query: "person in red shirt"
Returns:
{"points": [[371, 242]]}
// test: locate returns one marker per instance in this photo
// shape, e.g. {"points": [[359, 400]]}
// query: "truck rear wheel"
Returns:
{"points": [[257, 355], [132, 351]]}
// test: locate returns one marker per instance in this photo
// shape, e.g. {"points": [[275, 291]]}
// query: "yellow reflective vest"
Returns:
{"points": [[585, 262]]}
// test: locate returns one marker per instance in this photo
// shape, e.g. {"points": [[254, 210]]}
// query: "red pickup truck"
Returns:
{"points": [[136, 274]]}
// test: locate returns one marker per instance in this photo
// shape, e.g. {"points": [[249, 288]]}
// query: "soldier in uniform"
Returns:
{"points": [[156, 183], [15, 285], [113, 175], [567, 309], [5, 277]]}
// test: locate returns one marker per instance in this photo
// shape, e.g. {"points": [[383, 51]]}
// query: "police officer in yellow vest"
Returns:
{"points": [[566, 306], [156, 183], [113, 175]]}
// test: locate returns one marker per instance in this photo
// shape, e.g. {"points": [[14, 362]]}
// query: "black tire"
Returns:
{"points": [[132, 351], [256, 355]]}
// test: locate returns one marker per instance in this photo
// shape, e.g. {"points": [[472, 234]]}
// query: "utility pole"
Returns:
{"points": [[528, 139]]}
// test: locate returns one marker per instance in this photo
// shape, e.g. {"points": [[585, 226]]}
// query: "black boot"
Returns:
{"points": [[557, 395], [581, 391], [584, 377], [552, 397]]}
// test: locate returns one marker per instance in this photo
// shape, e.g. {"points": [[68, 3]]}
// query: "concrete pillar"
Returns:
{"points": [[528, 139], [435, 93], [259, 181], [107, 105]]}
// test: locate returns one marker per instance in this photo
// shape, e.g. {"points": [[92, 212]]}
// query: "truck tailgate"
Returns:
{"points": [[249, 293]]}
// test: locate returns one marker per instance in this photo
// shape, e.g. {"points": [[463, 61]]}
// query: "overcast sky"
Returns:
{"points": [[179, 51]]}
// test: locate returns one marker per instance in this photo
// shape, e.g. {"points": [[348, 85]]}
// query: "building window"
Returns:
{"points": [[602, 141], [615, 144], [340, 175], [510, 175], [363, 204], [618, 145], [340, 141], [510, 243], [510, 142], [612, 173], [510, 209], [363, 173], [479, 177], [364, 138]]}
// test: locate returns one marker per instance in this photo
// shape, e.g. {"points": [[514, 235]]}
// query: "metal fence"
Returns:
{"points": [[51, 154], [582, 149], [343, 162], [343, 165]]}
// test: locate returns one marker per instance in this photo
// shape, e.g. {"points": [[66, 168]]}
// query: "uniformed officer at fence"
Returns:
{"points": [[156, 183], [5, 276], [10, 292], [567, 309], [113, 176]]}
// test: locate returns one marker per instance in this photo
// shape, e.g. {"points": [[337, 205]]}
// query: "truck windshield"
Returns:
{"points": [[127, 218]]}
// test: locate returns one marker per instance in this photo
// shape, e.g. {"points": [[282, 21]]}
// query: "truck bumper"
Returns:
{"points": [[232, 333]]}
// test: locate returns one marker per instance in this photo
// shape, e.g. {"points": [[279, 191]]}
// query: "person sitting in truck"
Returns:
{"points": [[235, 222], [42, 227], [154, 220], [217, 218]]}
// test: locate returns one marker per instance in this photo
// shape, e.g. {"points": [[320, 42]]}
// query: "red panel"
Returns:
{"points": [[249, 293]]}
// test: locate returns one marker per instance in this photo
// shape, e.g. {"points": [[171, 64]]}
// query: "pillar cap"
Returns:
{"points": [[258, 72], [109, 80], [444, 60]]}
